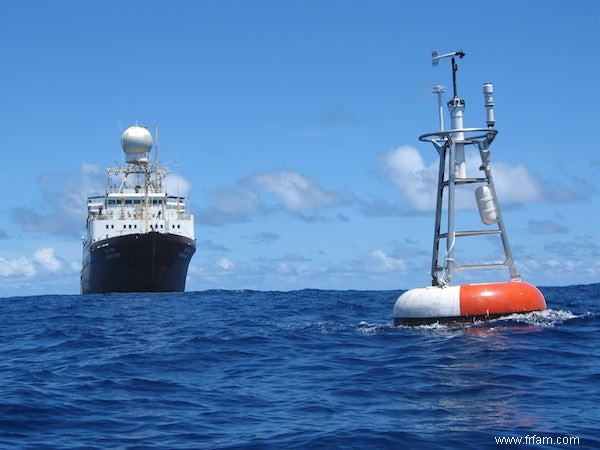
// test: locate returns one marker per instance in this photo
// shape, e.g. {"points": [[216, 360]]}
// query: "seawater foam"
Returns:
{"points": [[546, 318]]}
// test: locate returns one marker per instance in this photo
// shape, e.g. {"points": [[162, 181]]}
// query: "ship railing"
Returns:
{"points": [[139, 215]]}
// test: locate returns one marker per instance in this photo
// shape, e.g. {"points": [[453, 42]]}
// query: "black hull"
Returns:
{"points": [[150, 262]]}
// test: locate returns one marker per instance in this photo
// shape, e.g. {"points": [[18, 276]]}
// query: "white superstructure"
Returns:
{"points": [[136, 200]]}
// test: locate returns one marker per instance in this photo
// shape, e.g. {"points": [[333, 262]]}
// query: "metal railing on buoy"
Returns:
{"points": [[443, 302]]}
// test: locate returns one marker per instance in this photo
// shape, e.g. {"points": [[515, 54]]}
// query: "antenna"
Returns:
{"points": [[158, 182], [435, 58], [156, 138]]}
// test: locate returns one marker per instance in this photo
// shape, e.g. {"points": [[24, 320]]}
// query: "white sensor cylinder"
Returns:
{"points": [[456, 116], [486, 204], [488, 93]]}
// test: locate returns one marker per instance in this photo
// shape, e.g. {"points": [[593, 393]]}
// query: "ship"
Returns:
{"points": [[139, 238]]}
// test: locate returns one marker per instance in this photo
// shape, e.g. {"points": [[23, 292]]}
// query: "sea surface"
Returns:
{"points": [[302, 369]]}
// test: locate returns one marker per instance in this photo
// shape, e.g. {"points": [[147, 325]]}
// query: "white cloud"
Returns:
{"points": [[22, 266], [514, 184], [64, 199], [384, 262], [236, 201], [299, 194], [267, 192], [224, 263], [43, 262], [46, 258], [177, 185], [418, 182]]}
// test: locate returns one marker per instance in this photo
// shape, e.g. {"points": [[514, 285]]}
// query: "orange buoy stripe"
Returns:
{"points": [[500, 298]]}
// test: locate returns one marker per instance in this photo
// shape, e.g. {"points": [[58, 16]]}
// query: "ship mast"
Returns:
{"points": [[156, 155]]}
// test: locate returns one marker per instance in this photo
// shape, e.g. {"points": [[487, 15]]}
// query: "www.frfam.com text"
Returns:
{"points": [[537, 440]]}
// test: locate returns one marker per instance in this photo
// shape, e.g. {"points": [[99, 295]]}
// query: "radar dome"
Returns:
{"points": [[136, 141]]}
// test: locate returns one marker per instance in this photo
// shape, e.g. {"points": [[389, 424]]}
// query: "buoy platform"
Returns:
{"points": [[443, 302], [466, 303]]}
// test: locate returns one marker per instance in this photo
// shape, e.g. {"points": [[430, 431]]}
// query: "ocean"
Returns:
{"points": [[301, 369]]}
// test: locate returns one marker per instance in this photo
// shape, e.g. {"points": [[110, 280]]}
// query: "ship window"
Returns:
{"points": [[135, 226], [178, 226], [161, 226], [107, 226], [130, 226], [128, 202], [173, 226], [124, 226]]}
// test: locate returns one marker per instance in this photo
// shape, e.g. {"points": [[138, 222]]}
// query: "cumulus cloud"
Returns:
{"points": [[514, 184], [46, 257], [63, 207], [417, 181], [224, 263], [177, 185], [241, 201], [230, 205], [268, 192], [298, 193], [43, 261], [22, 266], [383, 262]]}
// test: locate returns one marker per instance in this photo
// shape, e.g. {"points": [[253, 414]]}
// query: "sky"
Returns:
{"points": [[293, 127]]}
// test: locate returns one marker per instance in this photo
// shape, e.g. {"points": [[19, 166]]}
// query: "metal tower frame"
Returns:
{"points": [[450, 145]]}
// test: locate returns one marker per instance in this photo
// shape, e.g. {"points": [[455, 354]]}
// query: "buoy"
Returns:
{"points": [[443, 302], [466, 303]]}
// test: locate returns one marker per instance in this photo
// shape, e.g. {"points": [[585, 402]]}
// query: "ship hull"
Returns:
{"points": [[146, 262]]}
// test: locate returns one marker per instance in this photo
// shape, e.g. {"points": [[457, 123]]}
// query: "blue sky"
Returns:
{"points": [[294, 126]]}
